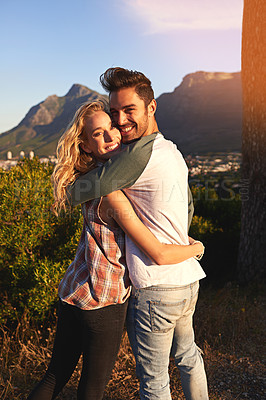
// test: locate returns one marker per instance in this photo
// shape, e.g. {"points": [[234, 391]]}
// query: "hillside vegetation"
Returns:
{"points": [[36, 246]]}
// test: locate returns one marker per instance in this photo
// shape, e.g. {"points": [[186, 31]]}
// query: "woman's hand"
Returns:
{"points": [[198, 247]]}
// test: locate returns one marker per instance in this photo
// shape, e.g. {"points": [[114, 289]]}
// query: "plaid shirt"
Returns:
{"points": [[98, 276]]}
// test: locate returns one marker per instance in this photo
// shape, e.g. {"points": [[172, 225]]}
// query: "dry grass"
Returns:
{"points": [[229, 326]]}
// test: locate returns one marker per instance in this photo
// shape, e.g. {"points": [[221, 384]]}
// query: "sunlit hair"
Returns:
{"points": [[114, 79], [73, 161]]}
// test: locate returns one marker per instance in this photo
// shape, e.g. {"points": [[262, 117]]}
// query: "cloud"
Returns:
{"points": [[164, 16]]}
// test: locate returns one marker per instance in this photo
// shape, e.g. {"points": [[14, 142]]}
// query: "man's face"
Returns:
{"points": [[130, 115]]}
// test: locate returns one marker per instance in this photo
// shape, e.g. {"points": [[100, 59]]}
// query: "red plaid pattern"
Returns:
{"points": [[98, 275]]}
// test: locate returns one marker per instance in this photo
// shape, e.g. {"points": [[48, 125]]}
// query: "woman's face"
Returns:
{"points": [[101, 138]]}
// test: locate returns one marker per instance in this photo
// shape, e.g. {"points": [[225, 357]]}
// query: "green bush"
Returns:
{"points": [[36, 246]]}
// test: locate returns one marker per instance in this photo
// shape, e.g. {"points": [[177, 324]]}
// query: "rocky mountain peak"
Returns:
{"points": [[201, 77], [78, 90]]}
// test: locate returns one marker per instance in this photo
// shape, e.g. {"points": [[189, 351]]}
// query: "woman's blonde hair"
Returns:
{"points": [[73, 161]]}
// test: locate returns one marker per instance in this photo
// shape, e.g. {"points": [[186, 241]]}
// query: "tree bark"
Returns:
{"points": [[252, 248]]}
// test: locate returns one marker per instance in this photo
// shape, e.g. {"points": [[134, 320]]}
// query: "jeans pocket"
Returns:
{"points": [[164, 314]]}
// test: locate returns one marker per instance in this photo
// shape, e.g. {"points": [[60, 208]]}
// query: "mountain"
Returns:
{"points": [[204, 113], [45, 123]]}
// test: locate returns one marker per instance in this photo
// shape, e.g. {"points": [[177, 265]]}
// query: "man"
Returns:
{"points": [[153, 174]]}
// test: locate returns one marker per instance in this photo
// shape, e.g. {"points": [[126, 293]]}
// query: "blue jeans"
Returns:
{"points": [[159, 323]]}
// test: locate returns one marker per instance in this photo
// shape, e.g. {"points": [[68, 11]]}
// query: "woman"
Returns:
{"points": [[95, 289]]}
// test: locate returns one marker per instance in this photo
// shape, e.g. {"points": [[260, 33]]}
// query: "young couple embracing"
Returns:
{"points": [[135, 261]]}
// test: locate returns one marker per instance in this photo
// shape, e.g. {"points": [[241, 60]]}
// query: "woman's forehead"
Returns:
{"points": [[98, 120]]}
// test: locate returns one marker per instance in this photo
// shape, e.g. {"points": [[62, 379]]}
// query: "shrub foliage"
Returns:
{"points": [[36, 246]]}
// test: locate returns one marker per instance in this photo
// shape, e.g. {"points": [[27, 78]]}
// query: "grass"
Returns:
{"points": [[229, 327]]}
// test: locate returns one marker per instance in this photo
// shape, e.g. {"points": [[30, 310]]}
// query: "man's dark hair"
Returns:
{"points": [[114, 79]]}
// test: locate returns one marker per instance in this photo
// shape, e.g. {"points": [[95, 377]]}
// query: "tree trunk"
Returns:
{"points": [[252, 248]]}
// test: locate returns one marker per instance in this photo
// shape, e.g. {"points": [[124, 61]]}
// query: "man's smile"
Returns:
{"points": [[126, 129]]}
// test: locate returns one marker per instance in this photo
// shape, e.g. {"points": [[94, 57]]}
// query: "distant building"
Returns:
{"points": [[31, 155], [53, 159], [44, 160], [9, 155], [21, 154]]}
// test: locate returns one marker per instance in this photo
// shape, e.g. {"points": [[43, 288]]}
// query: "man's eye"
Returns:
{"points": [[97, 134]]}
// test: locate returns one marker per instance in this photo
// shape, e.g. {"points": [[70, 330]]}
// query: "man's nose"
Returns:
{"points": [[121, 118]]}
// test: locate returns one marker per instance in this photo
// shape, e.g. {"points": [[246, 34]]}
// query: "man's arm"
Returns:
{"points": [[119, 172]]}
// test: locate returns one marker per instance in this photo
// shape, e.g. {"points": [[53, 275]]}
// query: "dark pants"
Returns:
{"points": [[96, 334]]}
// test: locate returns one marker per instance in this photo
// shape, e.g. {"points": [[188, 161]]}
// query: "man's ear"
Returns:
{"points": [[85, 147], [152, 108]]}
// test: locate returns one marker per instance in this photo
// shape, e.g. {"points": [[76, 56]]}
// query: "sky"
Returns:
{"points": [[47, 46]]}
